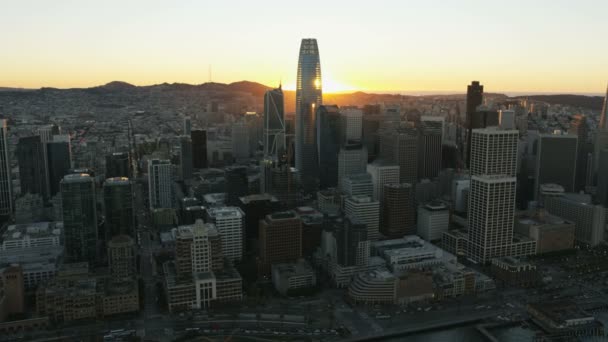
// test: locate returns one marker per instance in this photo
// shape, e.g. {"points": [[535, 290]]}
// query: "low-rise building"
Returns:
{"points": [[288, 277], [550, 232], [515, 271]]}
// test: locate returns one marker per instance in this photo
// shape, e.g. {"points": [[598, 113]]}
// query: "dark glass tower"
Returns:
{"points": [[329, 140], [118, 165], [6, 188], [274, 124], [185, 160], [32, 171], [79, 217], [429, 148], [60, 161], [474, 99], [118, 207], [309, 96], [199, 148]]}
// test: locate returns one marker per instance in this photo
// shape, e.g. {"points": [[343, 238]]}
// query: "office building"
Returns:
{"points": [[236, 184], [352, 159], [580, 128], [29, 208], [433, 221], [556, 161], [357, 184], [400, 147], [329, 140], [6, 186], [229, 222], [603, 122], [430, 146], [366, 211], [474, 100], [589, 219], [506, 119], [291, 277], [59, 159], [601, 191], [79, 218], [159, 184], [491, 214], [240, 141], [187, 126], [280, 240], [274, 124], [199, 149], [118, 207], [309, 96], [398, 217], [185, 157], [494, 152], [382, 173], [118, 164], [256, 207], [122, 257], [551, 233], [32, 170], [352, 124]]}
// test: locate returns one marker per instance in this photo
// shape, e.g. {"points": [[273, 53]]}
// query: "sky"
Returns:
{"points": [[397, 46]]}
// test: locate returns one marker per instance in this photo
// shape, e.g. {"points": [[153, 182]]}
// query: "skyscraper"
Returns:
{"points": [[122, 257], [274, 124], [79, 217], [474, 99], [280, 239], [400, 147], [309, 96], [603, 125], [187, 129], [185, 160], [352, 124], [352, 160], [398, 211], [382, 173], [366, 211], [494, 152], [430, 146], [32, 170], [159, 184], [59, 160], [118, 207], [199, 148], [329, 140], [556, 161], [229, 222], [491, 214], [580, 127], [6, 187], [118, 164]]}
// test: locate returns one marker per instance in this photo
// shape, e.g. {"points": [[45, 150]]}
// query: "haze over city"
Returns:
{"points": [[390, 46]]}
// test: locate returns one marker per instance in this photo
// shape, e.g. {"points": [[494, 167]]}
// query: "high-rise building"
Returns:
{"points": [[118, 164], [474, 99], [580, 127], [491, 215], [351, 241], [401, 148], [352, 160], [199, 148], [494, 152], [603, 124], [371, 140], [430, 146], [398, 211], [187, 126], [118, 207], [329, 139], [59, 159], [160, 184], [602, 179], [280, 240], [32, 170], [309, 96], [274, 124], [6, 187], [556, 161], [240, 141], [229, 222], [433, 221], [589, 219], [601, 136], [122, 257], [236, 184], [382, 173], [506, 119], [357, 185], [256, 207], [79, 217], [185, 157], [366, 211], [352, 124]]}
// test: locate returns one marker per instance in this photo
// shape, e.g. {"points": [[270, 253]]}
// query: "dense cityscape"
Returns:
{"points": [[217, 212]]}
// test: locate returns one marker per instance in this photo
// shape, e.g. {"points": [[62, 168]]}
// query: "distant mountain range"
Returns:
{"points": [[356, 98]]}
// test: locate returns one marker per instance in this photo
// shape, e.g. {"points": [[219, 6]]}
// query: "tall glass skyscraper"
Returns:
{"points": [[6, 189], [309, 96]]}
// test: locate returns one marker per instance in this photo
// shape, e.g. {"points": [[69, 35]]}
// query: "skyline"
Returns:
{"points": [[434, 47]]}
